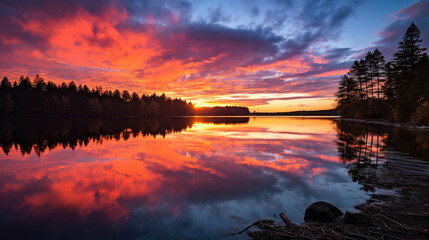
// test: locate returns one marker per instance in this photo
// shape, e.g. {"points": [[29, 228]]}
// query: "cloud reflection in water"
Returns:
{"points": [[187, 184]]}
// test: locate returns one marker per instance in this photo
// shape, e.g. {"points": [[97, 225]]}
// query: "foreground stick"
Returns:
{"points": [[287, 222]]}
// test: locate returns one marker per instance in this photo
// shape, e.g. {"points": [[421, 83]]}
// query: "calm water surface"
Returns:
{"points": [[190, 178]]}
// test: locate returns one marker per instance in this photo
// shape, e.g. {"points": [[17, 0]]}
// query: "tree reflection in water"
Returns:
{"points": [[187, 183], [41, 134], [367, 146]]}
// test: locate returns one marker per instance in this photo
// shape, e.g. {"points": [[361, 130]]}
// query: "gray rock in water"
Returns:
{"points": [[321, 212]]}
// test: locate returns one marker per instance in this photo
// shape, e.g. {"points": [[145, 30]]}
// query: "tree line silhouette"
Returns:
{"points": [[42, 134], [397, 90], [37, 98]]}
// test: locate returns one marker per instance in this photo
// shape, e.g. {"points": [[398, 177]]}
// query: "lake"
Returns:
{"points": [[183, 177]]}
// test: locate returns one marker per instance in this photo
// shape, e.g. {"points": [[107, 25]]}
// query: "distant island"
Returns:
{"points": [[329, 112], [40, 98], [397, 91]]}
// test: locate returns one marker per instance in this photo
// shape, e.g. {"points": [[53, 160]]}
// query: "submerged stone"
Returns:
{"points": [[321, 212]]}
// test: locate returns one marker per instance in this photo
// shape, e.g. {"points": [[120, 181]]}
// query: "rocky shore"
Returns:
{"points": [[397, 209]]}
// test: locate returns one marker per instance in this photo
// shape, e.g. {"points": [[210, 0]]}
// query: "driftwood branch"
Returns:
{"points": [[288, 223]]}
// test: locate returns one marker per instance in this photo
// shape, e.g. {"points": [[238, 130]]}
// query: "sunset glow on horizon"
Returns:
{"points": [[271, 56]]}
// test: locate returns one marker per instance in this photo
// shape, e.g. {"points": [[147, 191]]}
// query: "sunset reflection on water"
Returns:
{"points": [[207, 178]]}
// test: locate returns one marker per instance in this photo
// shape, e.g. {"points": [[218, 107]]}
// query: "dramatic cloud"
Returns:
{"points": [[206, 52]]}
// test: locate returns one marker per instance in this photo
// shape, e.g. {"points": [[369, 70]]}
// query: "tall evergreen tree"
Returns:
{"points": [[346, 95], [5, 84], [379, 75], [357, 73], [409, 50], [363, 71], [405, 61], [369, 63]]}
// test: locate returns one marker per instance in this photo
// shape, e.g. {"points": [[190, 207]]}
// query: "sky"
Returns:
{"points": [[273, 55]]}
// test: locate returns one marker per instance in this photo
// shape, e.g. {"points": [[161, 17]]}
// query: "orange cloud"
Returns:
{"points": [[187, 61]]}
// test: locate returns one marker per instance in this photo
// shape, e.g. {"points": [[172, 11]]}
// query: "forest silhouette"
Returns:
{"points": [[40, 98], [397, 90]]}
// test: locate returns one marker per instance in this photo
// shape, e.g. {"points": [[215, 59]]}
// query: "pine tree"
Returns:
{"points": [[346, 94], [379, 74], [363, 73], [5, 84], [390, 87], [409, 50], [405, 61], [355, 72], [126, 96], [369, 63]]}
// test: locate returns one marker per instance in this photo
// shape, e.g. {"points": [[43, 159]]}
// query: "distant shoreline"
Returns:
{"points": [[175, 116], [387, 123], [329, 112]]}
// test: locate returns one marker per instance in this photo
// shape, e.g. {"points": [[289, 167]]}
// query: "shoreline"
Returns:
{"points": [[397, 209], [385, 123]]}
